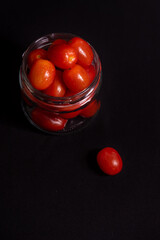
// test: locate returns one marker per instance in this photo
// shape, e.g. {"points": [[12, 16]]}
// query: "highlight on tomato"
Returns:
{"points": [[76, 78], [62, 55], [42, 74], [83, 49], [109, 161], [57, 88]]}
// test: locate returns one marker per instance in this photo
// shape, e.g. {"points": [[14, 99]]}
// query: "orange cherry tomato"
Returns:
{"points": [[76, 78], [91, 109], [85, 53], [62, 56], [57, 88], [36, 54], [109, 161], [41, 74], [46, 121], [91, 72]]}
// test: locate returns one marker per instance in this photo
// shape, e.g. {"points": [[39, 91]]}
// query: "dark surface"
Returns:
{"points": [[51, 186]]}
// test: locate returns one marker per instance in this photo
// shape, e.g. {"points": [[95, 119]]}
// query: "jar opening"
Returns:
{"points": [[45, 42]]}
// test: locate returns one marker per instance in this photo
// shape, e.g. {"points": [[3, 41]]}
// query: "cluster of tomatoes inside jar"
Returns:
{"points": [[63, 70]]}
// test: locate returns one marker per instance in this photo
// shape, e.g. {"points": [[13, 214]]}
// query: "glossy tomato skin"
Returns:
{"points": [[70, 115], [59, 41], [109, 161], [56, 42], [76, 78], [62, 55], [91, 109], [57, 88], [91, 71], [42, 74], [35, 55], [84, 51], [46, 121]]}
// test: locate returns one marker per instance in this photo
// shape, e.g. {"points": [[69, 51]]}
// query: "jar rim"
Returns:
{"points": [[51, 99]]}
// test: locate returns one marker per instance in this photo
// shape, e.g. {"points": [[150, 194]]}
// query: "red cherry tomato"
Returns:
{"points": [[91, 109], [48, 121], [72, 110], [70, 115], [62, 56], [85, 53], [91, 71], [57, 88], [59, 41], [36, 54], [69, 93], [76, 78], [41, 74], [109, 161]]}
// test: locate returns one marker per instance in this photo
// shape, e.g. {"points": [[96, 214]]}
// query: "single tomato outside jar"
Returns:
{"points": [[58, 115]]}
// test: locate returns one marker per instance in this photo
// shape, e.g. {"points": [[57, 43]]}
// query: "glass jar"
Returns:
{"points": [[58, 115]]}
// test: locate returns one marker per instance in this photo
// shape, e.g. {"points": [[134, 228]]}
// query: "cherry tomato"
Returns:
{"points": [[76, 78], [70, 115], [59, 41], [109, 161], [36, 54], [72, 110], [91, 72], [91, 109], [41, 74], [69, 93], [85, 53], [62, 56], [57, 88], [48, 121]]}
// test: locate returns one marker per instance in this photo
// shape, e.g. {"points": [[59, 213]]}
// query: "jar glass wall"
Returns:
{"points": [[59, 115]]}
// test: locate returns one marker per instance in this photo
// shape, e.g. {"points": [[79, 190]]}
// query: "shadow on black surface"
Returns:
{"points": [[92, 162], [11, 111]]}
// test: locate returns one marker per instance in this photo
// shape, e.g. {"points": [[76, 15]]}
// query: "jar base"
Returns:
{"points": [[73, 125]]}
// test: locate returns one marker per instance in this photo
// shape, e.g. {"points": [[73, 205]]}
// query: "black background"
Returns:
{"points": [[51, 186]]}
